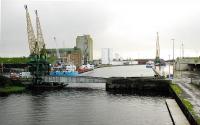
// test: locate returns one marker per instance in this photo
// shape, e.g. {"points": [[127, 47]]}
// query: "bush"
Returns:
{"points": [[4, 81]]}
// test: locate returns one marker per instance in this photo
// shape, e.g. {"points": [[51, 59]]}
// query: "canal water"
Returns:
{"points": [[90, 105], [121, 71]]}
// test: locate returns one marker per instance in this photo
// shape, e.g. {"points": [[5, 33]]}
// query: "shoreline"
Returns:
{"points": [[11, 89]]}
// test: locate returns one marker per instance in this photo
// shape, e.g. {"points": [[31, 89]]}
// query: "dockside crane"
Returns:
{"points": [[57, 50], [40, 38], [157, 59], [38, 64], [33, 44]]}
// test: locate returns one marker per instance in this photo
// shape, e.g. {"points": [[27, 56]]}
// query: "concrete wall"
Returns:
{"points": [[181, 67], [183, 107], [187, 63], [138, 84]]}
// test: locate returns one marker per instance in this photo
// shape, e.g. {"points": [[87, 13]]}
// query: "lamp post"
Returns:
{"points": [[173, 57], [182, 50], [173, 49], [169, 67]]}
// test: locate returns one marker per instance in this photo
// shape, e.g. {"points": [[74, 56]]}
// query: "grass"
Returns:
{"points": [[14, 60], [176, 89], [22, 60], [186, 102], [11, 89]]}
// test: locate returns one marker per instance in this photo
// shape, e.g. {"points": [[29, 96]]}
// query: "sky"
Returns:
{"points": [[127, 26]]}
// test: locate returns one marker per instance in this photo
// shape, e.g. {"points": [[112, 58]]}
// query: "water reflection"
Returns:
{"points": [[85, 107], [121, 71], [89, 106], [38, 108]]}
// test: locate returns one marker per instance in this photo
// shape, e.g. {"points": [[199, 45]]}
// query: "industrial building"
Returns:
{"points": [[67, 55], [85, 43], [106, 56]]}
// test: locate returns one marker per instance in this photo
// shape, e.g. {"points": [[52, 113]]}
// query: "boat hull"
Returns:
{"points": [[75, 73]]}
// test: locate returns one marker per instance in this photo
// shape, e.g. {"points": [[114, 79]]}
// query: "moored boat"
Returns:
{"points": [[150, 64], [64, 70], [85, 68]]}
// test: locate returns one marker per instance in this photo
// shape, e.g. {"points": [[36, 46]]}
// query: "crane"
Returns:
{"points": [[40, 38], [57, 50], [157, 59], [33, 44], [38, 64]]}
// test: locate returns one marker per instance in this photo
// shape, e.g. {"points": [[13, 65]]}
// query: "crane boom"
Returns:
{"points": [[40, 38], [57, 51], [38, 64], [33, 45], [157, 60]]}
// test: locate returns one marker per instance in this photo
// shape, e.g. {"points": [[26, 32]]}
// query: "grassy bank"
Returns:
{"points": [[11, 89], [179, 92], [8, 86], [14, 60], [21, 60]]}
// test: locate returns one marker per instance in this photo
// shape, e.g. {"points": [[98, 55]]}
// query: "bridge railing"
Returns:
{"points": [[77, 79]]}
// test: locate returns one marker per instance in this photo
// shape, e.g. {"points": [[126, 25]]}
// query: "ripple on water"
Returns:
{"points": [[85, 107]]}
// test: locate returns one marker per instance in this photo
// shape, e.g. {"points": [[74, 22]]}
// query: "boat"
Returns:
{"points": [[85, 68], [149, 64], [64, 70]]}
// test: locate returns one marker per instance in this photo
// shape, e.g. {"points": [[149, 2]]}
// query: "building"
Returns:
{"points": [[85, 43], [106, 56], [67, 55], [187, 64]]}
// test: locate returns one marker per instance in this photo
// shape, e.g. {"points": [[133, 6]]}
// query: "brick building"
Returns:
{"points": [[67, 55]]}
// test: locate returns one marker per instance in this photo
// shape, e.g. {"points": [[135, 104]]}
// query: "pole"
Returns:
{"points": [[182, 50], [173, 49], [181, 56], [173, 57], [169, 67]]}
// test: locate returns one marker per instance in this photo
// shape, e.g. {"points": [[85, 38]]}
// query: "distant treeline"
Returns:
{"points": [[14, 60], [21, 60]]}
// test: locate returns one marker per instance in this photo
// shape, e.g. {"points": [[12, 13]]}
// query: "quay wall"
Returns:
{"points": [[184, 109], [138, 84]]}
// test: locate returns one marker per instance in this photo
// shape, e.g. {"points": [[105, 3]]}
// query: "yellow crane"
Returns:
{"points": [[38, 66]]}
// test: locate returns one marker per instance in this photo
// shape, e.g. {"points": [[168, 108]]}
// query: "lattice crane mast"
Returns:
{"points": [[40, 38], [57, 50], [157, 60], [33, 44], [38, 65]]}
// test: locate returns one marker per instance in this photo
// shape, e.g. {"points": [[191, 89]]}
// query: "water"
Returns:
{"points": [[121, 71], [86, 106]]}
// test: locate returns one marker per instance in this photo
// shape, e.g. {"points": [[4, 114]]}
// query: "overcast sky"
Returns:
{"points": [[127, 26]]}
